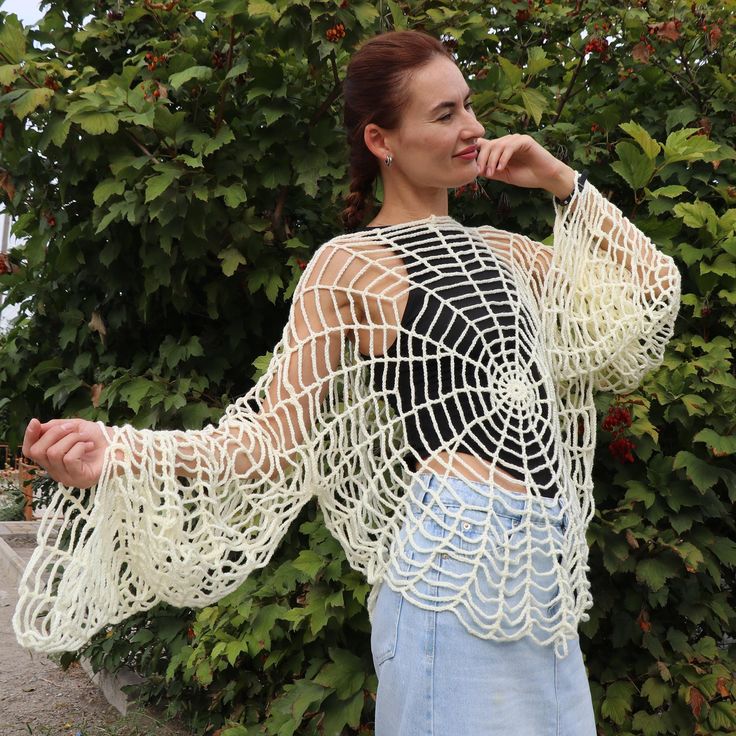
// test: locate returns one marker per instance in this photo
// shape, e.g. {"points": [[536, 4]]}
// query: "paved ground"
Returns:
{"points": [[38, 698]]}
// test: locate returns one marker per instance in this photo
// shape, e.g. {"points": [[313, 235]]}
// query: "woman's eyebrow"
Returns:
{"points": [[448, 103]]}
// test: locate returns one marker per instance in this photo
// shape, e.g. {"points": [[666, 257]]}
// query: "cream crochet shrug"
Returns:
{"points": [[185, 516]]}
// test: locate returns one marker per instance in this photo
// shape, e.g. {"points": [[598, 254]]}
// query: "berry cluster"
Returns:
{"points": [[50, 219], [617, 421], [596, 45], [621, 449], [5, 266], [523, 15], [153, 92], [618, 417], [344, 4], [301, 263], [472, 187], [2, 130], [51, 83], [335, 33], [154, 61], [595, 127], [218, 60], [113, 15]]}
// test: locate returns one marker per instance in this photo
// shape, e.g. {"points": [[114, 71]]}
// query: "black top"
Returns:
{"points": [[488, 398]]}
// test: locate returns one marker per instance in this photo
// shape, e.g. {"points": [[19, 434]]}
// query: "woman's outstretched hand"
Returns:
{"points": [[521, 161], [70, 450]]}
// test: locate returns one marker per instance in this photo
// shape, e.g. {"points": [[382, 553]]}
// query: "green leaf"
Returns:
{"points": [[193, 72], [105, 189], [680, 116], [513, 73], [30, 100], [209, 145], [57, 132], [158, 184], [719, 443], [650, 147], [671, 190], [683, 145], [655, 571], [725, 550], [9, 73], [635, 167], [397, 16], [234, 195], [365, 13], [309, 562], [701, 473], [537, 61], [12, 39], [231, 258], [97, 123], [258, 8], [345, 674], [535, 103], [656, 691], [135, 391], [617, 703], [722, 715], [238, 69], [697, 215]]}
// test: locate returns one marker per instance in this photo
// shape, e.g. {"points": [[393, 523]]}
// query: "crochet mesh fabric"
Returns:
{"points": [[185, 516]]}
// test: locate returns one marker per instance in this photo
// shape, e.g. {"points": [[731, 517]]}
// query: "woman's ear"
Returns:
{"points": [[375, 141]]}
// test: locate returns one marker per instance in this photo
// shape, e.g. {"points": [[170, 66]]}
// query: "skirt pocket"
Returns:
{"points": [[385, 626]]}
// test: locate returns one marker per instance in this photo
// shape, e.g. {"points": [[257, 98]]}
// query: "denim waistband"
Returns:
{"points": [[450, 489]]}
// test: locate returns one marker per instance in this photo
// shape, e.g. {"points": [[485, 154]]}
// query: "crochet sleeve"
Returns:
{"points": [[608, 296], [183, 517]]}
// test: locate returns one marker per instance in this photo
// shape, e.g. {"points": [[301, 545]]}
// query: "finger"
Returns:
{"points": [[32, 433], [74, 459], [493, 159], [504, 158], [38, 449], [483, 154], [57, 452], [60, 421]]}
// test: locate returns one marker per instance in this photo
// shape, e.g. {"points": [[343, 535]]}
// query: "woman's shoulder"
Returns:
{"points": [[525, 252]]}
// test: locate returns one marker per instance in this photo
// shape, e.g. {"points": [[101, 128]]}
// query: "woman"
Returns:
{"points": [[433, 387]]}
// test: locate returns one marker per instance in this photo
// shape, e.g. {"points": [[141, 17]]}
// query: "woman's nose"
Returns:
{"points": [[475, 129]]}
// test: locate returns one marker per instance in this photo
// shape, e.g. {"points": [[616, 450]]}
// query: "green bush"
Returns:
{"points": [[173, 166]]}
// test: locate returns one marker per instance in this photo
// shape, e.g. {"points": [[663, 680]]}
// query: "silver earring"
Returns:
{"points": [[388, 160]]}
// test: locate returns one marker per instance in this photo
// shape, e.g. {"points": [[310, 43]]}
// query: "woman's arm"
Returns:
{"points": [[73, 450], [183, 517]]}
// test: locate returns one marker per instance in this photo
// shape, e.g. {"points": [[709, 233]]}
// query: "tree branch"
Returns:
{"points": [[566, 96]]}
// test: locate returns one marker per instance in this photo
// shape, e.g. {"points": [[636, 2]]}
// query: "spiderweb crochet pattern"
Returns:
{"points": [[185, 516]]}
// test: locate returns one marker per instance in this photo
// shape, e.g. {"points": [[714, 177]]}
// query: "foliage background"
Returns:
{"points": [[172, 166]]}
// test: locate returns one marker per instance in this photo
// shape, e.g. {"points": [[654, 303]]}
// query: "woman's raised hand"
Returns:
{"points": [[70, 450], [519, 160]]}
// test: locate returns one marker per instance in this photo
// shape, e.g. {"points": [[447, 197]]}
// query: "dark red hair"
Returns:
{"points": [[374, 91]]}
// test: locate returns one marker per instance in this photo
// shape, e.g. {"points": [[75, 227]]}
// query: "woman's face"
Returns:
{"points": [[437, 124]]}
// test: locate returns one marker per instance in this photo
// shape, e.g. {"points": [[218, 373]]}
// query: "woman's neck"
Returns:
{"points": [[406, 205]]}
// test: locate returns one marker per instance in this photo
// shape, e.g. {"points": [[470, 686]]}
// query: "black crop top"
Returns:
{"points": [[463, 297]]}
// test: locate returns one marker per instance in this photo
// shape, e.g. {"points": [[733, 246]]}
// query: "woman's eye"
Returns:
{"points": [[468, 106]]}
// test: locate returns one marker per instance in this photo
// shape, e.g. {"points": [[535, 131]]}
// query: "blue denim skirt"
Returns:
{"points": [[437, 679]]}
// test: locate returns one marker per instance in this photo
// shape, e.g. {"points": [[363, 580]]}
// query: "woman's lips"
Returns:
{"points": [[469, 156]]}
